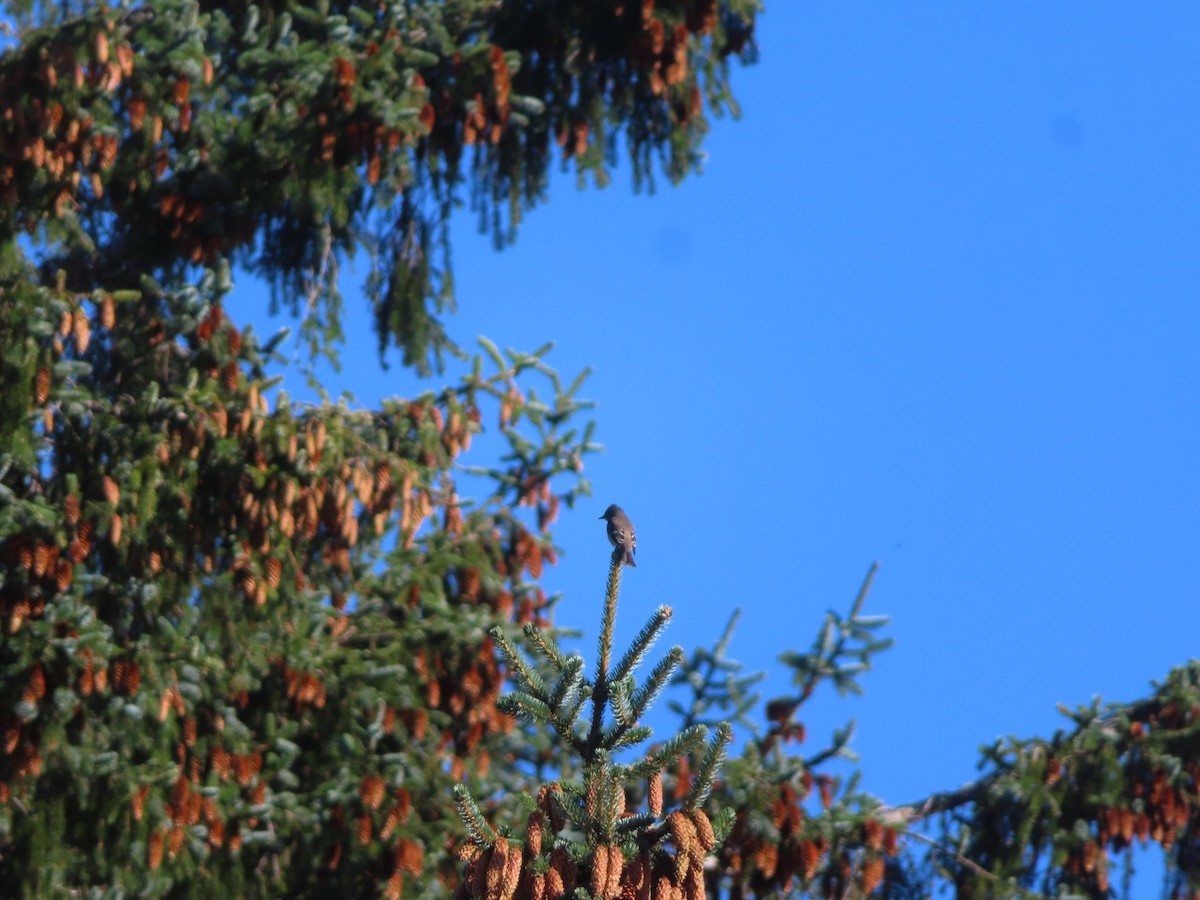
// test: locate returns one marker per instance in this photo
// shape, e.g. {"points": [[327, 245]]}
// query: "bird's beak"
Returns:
{"points": [[599, 517]]}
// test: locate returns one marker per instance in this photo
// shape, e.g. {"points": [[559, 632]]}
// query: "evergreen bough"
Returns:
{"points": [[580, 839]]}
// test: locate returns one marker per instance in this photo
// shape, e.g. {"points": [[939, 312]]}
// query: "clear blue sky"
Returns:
{"points": [[932, 303]]}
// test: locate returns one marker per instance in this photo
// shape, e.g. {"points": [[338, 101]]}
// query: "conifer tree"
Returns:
{"points": [[286, 136], [581, 838], [256, 647], [246, 640], [1047, 817]]}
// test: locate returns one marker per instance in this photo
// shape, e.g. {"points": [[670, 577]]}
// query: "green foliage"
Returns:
{"points": [[247, 645], [291, 136], [842, 651], [579, 831], [780, 842], [1057, 815], [253, 647], [716, 684]]}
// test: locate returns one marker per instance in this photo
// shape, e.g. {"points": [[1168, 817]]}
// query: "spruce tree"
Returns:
{"points": [[581, 836], [246, 640], [257, 647]]}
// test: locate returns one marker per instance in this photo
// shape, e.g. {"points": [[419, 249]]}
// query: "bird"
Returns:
{"points": [[620, 534]]}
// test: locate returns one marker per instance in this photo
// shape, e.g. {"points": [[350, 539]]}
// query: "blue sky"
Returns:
{"points": [[934, 303]]}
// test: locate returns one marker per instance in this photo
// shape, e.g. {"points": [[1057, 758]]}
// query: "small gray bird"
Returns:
{"points": [[620, 534]]}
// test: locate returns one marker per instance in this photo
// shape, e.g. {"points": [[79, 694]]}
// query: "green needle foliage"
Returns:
{"points": [[245, 645], [254, 647], [245, 641], [289, 136], [717, 684], [579, 834]]}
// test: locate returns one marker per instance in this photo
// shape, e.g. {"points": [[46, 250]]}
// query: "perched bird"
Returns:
{"points": [[620, 534]]}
